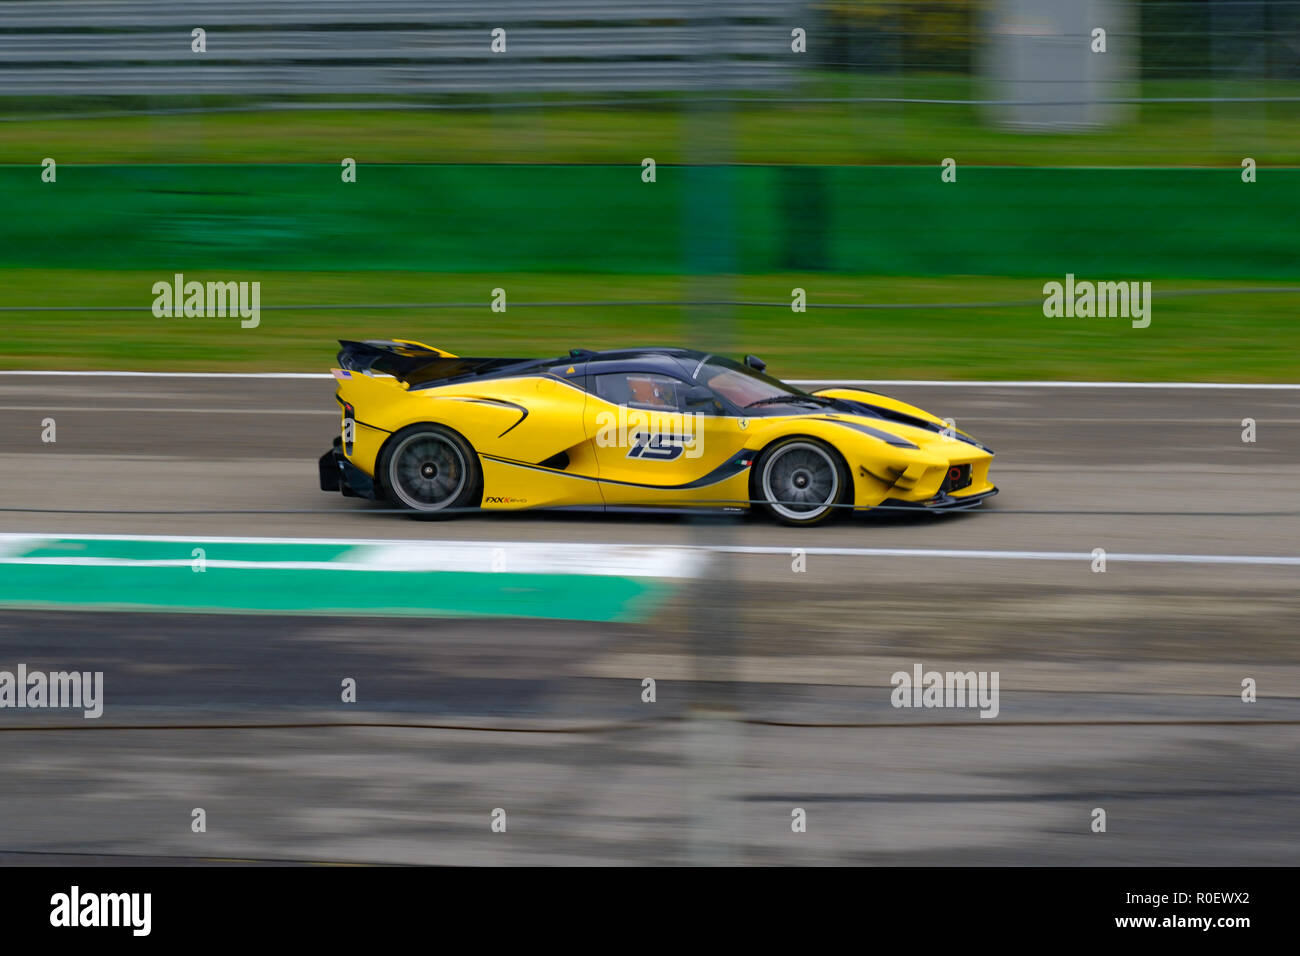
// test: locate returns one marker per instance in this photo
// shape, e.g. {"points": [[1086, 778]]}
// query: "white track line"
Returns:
{"points": [[667, 563], [11, 542], [794, 381], [917, 381], [285, 375], [168, 410], [537, 557], [1287, 560]]}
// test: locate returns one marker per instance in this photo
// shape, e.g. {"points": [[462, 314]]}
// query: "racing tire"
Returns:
{"points": [[801, 481], [430, 470]]}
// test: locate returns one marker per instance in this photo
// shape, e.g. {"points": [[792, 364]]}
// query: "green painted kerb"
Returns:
{"points": [[574, 597], [149, 550], [324, 590]]}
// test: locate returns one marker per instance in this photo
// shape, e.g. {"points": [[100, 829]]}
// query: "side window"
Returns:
{"points": [[661, 393]]}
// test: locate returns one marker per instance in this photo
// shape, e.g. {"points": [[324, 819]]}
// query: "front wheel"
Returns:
{"points": [[801, 481], [430, 469]]}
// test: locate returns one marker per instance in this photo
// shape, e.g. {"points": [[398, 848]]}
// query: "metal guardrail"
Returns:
{"points": [[388, 80], [121, 14], [90, 47], [458, 43], [428, 53]]}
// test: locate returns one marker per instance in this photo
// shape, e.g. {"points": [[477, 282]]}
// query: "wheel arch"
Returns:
{"points": [[381, 479], [846, 473]]}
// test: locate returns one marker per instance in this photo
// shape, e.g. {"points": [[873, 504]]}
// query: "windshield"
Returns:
{"points": [[742, 385]]}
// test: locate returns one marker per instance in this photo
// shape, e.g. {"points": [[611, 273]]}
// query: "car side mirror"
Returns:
{"points": [[697, 396], [756, 363]]}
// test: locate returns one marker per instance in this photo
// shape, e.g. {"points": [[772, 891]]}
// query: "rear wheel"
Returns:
{"points": [[430, 469], [801, 481]]}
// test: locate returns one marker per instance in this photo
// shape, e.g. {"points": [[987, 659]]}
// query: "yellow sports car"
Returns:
{"points": [[634, 428]]}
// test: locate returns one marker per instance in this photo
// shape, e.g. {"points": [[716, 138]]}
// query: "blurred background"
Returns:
{"points": [[795, 145], [522, 170]]}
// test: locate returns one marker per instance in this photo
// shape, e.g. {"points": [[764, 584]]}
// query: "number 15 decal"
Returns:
{"points": [[657, 447]]}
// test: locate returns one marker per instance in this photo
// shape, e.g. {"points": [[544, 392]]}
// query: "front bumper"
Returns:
{"points": [[339, 474], [940, 502]]}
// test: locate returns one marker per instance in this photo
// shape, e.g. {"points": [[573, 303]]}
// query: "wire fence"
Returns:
{"points": [[662, 303]]}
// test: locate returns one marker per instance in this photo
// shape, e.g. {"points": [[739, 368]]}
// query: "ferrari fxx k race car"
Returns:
{"points": [[436, 433]]}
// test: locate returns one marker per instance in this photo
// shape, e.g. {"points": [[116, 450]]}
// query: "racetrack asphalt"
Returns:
{"points": [[1162, 643]]}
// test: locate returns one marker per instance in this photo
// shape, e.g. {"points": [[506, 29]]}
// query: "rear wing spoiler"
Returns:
{"points": [[395, 357], [414, 363]]}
